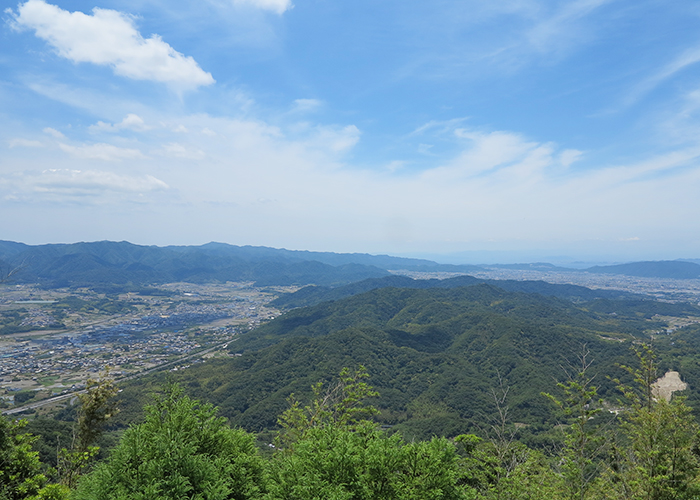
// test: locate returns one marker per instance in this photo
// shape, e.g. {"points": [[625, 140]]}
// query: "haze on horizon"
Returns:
{"points": [[518, 128]]}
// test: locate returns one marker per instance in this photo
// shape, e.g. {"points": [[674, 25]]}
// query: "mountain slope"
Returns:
{"points": [[435, 355]]}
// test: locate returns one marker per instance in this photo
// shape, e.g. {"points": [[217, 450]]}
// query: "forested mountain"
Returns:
{"points": [[435, 355], [123, 263], [312, 295], [120, 263]]}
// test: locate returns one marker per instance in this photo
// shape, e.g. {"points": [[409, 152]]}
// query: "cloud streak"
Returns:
{"points": [[688, 58], [25, 143], [101, 151], [68, 186], [130, 122], [276, 6]]}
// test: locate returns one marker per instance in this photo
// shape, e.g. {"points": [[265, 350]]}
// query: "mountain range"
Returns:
{"points": [[123, 263]]}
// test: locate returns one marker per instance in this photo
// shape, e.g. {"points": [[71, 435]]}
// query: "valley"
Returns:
{"points": [[430, 335]]}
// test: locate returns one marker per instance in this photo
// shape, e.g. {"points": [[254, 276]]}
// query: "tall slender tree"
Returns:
{"points": [[661, 462], [584, 439]]}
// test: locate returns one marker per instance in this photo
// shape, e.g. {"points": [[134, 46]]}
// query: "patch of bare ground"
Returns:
{"points": [[613, 339], [665, 386]]}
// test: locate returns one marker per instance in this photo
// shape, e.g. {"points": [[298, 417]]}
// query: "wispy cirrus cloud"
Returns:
{"points": [[276, 6], [71, 185], [484, 153], [65, 180], [130, 122], [687, 58], [53, 133], [563, 26], [336, 139], [109, 37], [177, 150], [25, 143], [101, 151], [306, 105]]}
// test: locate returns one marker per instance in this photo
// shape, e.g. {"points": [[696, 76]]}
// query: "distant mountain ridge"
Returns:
{"points": [[670, 269], [312, 295], [122, 263]]}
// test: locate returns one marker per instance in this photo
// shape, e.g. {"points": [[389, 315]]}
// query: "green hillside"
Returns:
{"points": [[314, 294], [435, 355]]}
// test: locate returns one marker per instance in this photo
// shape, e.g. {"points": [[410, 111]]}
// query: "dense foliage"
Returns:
{"points": [[330, 449], [182, 450], [20, 469], [314, 294]]}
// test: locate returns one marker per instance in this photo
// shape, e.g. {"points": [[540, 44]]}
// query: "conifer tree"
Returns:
{"points": [[661, 462], [584, 439], [97, 405]]}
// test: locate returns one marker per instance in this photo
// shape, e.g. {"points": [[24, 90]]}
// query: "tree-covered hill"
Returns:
{"points": [[435, 355], [314, 294], [120, 263]]}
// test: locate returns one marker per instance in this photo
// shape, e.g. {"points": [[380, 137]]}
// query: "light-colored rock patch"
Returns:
{"points": [[667, 385]]}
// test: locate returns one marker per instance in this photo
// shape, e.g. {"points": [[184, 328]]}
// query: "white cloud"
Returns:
{"points": [[64, 180], [337, 140], [101, 151], [569, 156], [442, 126], [70, 186], [54, 133], [395, 165], [25, 143], [424, 149], [500, 186], [486, 152], [306, 105], [277, 6], [108, 37], [177, 150], [130, 122]]}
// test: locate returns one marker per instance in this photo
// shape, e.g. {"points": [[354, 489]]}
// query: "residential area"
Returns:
{"points": [[67, 345]]}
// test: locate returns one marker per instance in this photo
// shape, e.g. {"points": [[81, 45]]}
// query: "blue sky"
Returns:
{"points": [[523, 129]]}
